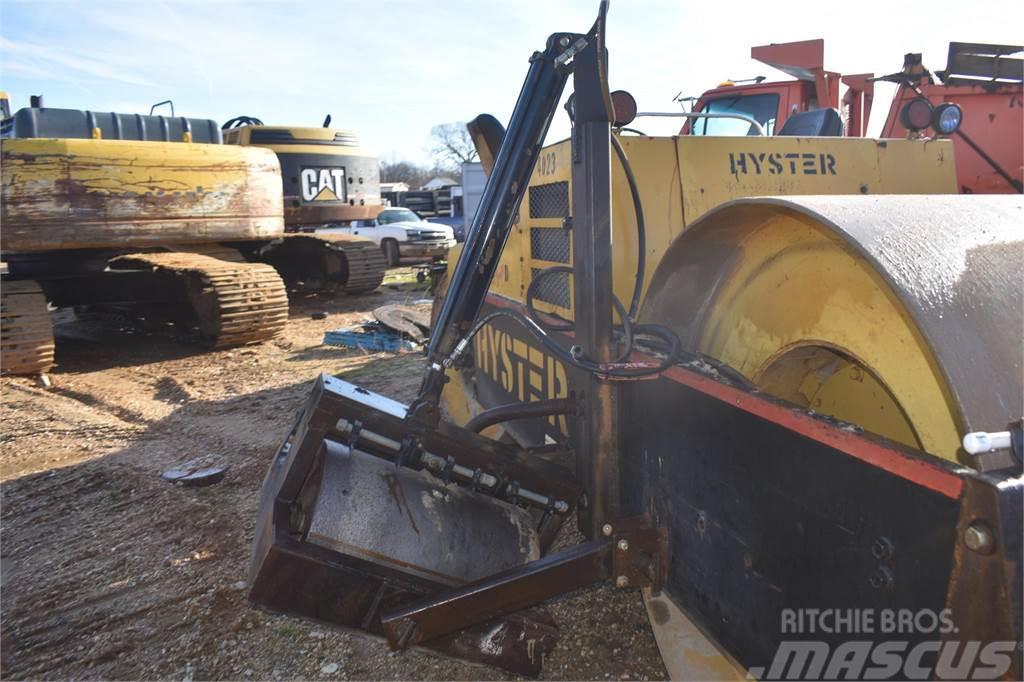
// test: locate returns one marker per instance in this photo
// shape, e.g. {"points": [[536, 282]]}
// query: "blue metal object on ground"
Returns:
{"points": [[370, 338]]}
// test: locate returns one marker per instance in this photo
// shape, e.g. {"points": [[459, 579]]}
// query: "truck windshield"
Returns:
{"points": [[762, 108], [397, 215]]}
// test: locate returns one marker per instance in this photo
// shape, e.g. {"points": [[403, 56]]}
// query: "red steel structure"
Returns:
{"points": [[984, 80]]}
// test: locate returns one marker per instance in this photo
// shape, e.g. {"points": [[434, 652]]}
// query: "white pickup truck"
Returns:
{"points": [[402, 234]]}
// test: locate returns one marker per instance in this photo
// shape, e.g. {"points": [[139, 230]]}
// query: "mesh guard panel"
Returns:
{"points": [[550, 201]]}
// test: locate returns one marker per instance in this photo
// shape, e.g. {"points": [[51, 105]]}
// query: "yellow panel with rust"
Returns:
{"points": [[72, 193], [804, 316], [762, 334], [654, 163], [680, 178], [509, 279], [717, 169]]}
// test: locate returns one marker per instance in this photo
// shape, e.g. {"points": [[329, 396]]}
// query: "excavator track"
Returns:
{"points": [[366, 265], [324, 260], [26, 331], [234, 303]]}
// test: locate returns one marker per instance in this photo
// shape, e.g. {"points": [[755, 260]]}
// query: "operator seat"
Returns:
{"points": [[814, 123]]}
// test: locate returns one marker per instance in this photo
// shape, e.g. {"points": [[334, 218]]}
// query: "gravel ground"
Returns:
{"points": [[109, 572]]}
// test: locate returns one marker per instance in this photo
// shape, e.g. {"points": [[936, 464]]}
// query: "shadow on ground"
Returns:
{"points": [[109, 572]]}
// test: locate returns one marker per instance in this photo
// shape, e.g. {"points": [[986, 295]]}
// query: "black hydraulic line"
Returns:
{"points": [[513, 411], [1016, 184], [565, 325], [641, 265], [531, 293], [503, 193], [641, 227], [664, 334]]}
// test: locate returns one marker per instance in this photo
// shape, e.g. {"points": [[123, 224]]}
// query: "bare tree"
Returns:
{"points": [[413, 174], [408, 172], [452, 145]]}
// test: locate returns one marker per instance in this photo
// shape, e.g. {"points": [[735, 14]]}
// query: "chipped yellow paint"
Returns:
{"points": [[681, 178], [804, 316], [890, 386], [717, 169], [82, 193]]}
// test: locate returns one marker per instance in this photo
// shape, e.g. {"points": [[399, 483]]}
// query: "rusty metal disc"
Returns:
{"points": [[412, 321]]}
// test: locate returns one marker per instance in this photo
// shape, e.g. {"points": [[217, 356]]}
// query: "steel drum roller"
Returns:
{"points": [[901, 314]]}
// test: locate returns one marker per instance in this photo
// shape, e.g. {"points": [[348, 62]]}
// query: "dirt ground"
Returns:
{"points": [[109, 572]]}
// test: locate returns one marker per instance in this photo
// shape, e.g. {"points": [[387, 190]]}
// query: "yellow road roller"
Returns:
{"points": [[776, 382]]}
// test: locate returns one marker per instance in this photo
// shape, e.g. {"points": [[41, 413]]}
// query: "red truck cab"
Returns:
{"points": [[982, 79], [772, 103]]}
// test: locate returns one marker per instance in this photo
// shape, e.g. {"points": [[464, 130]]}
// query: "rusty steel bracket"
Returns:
{"points": [[632, 554], [608, 371]]}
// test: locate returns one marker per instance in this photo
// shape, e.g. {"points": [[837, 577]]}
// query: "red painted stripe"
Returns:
{"points": [[921, 472], [888, 459]]}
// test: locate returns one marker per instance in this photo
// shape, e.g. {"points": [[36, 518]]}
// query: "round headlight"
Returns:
{"points": [[623, 108], [946, 118], [916, 114]]}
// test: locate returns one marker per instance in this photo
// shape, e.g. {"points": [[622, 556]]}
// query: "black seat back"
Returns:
{"points": [[814, 123]]}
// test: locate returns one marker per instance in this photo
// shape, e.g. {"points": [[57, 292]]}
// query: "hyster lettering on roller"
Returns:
{"points": [[782, 163]]}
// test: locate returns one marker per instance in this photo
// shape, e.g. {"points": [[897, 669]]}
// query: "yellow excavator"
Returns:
{"points": [[328, 177], [155, 216], [776, 381]]}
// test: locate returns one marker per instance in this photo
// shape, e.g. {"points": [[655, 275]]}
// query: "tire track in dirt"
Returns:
{"points": [[65, 428], [114, 570], [108, 572]]}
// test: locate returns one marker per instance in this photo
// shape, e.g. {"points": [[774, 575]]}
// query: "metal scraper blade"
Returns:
{"points": [[343, 534]]}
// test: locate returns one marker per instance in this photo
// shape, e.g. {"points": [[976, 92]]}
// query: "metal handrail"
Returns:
{"points": [[158, 104], [700, 114]]}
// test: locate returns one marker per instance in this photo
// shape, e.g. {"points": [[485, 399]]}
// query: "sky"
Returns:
{"points": [[392, 69]]}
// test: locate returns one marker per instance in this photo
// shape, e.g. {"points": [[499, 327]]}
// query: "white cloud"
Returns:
{"points": [[62, 62]]}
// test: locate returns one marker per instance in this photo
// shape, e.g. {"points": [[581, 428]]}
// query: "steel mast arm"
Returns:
{"points": [[492, 224]]}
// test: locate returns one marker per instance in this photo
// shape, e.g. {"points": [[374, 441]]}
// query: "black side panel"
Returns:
{"points": [[762, 518], [328, 188], [75, 123], [361, 176]]}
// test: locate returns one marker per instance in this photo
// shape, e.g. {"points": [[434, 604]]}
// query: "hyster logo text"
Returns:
{"points": [[322, 184], [523, 372], [778, 163]]}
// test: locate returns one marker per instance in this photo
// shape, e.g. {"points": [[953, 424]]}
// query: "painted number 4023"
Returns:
{"points": [[547, 163]]}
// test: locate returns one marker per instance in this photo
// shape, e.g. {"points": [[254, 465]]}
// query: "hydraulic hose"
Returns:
{"points": [[513, 411], [573, 358], [641, 226], [629, 316], [566, 326]]}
